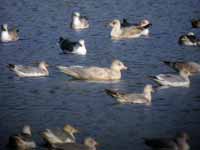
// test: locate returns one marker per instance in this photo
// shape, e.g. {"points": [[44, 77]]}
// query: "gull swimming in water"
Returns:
{"points": [[190, 66], [189, 39], [73, 47], [181, 80], [22, 141], [195, 23], [8, 36], [179, 142], [59, 136], [119, 32], [79, 22], [89, 144], [95, 73], [134, 98], [29, 71]]}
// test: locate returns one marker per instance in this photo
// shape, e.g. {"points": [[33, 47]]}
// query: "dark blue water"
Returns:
{"points": [[55, 100]]}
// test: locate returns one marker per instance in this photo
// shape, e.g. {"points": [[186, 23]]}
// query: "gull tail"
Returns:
{"points": [[170, 64], [68, 71], [113, 93]]}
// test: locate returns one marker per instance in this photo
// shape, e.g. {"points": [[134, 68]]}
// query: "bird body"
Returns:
{"points": [[60, 136], [73, 47], [95, 73], [181, 80], [29, 71], [192, 67], [142, 98], [119, 32], [89, 144]]}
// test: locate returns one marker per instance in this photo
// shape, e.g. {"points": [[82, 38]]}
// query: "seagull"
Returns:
{"points": [[8, 36], [134, 98], [119, 32], [23, 140], [79, 22], [179, 142], [195, 23], [190, 66], [59, 136], [73, 47], [29, 71], [89, 144], [94, 72], [189, 39], [181, 80]]}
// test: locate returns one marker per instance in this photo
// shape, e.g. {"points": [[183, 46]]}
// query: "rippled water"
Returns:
{"points": [[56, 100]]}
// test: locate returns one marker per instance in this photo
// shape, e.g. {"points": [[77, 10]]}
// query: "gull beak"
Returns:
{"points": [[125, 67]]}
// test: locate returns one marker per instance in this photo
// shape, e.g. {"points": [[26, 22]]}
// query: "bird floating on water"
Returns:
{"points": [[118, 32], [23, 140], [189, 39], [94, 72], [190, 66], [172, 80], [79, 22], [60, 136], [134, 98], [8, 36], [29, 71], [73, 47]]}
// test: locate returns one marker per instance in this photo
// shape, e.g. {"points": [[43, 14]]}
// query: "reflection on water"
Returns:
{"points": [[55, 100]]}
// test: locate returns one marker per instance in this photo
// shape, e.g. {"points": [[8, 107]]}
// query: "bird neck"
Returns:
{"points": [[116, 30], [184, 75], [76, 20], [147, 95]]}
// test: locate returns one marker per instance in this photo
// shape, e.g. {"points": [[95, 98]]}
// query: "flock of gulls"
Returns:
{"points": [[64, 139]]}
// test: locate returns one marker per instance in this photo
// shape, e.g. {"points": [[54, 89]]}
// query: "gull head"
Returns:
{"points": [[118, 65], [144, 23], [70, 129], [76, 14], [90, 142], [81, 42], [27, 130], [114, 23], [4, 27]]}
